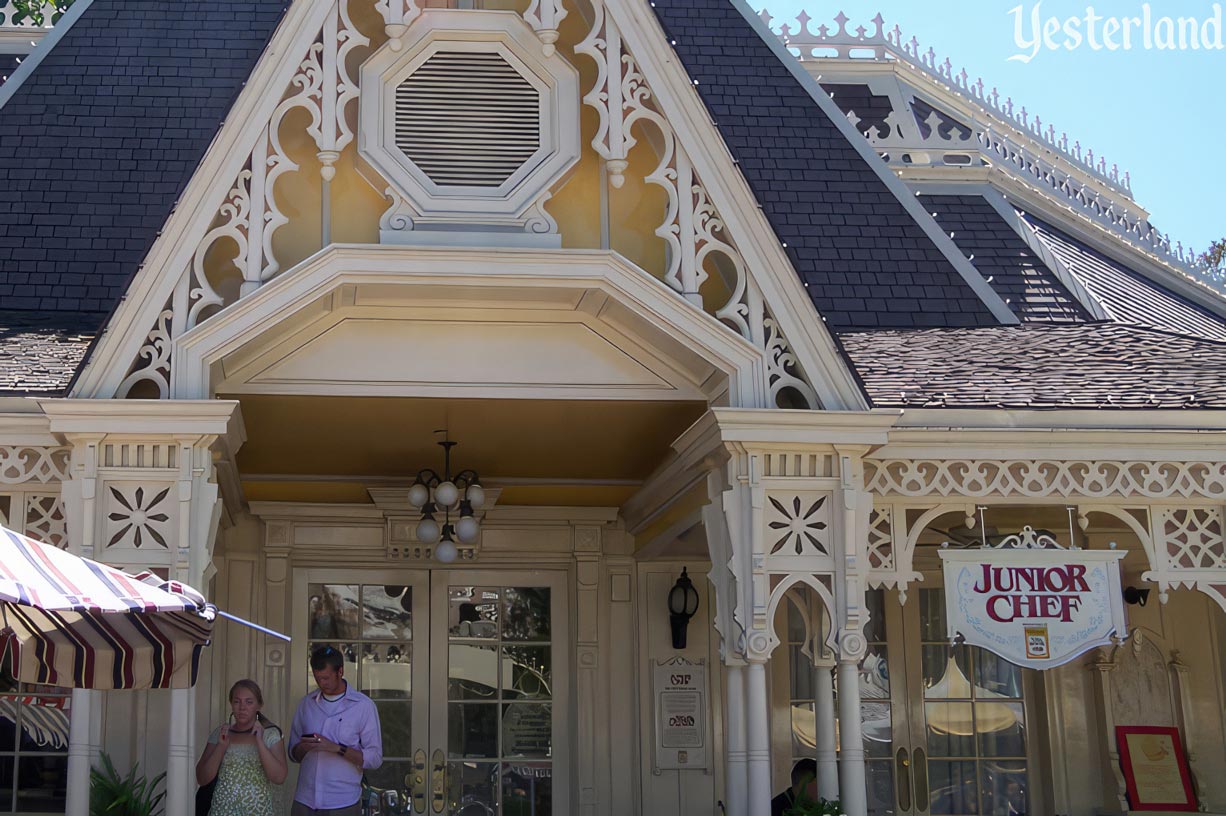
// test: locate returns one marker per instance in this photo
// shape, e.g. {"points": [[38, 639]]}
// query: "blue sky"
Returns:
{"points": [[1159, 114]]}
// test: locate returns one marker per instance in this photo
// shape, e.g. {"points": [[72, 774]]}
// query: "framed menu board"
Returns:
{"points": [[1155, 769]]}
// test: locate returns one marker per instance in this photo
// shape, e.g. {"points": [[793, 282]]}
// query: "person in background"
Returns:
{"points": [[804, 785], [247, 759], [335, 735]]}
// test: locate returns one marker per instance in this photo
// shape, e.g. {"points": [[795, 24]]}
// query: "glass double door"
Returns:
{"points": [[467, 670], [945, 726]]}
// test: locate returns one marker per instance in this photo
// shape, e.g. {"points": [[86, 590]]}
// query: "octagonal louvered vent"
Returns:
{"points": [[467, 119]]}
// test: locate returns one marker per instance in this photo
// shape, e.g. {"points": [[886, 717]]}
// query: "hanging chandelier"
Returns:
{"points": [[442, 495]]}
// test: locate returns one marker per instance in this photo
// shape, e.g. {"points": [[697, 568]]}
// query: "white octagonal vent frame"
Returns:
{"points": [[514, 204]]}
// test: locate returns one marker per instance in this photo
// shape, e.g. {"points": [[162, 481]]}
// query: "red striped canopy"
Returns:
{"points": [[69, 621]]}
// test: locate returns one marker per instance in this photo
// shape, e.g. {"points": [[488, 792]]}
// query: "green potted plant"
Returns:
{"points": [[131, 795], [804, 806]]}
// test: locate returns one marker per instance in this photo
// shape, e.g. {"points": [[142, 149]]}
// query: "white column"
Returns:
{"points": [[83, 737], [757, 718], [180, 767], [737, 786], [852, 786], [823, 711]]}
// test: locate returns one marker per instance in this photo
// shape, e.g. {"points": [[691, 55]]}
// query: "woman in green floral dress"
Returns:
{"points": [[247, 759]]}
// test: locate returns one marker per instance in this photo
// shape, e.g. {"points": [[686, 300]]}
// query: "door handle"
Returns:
{"points": [[438, 781], [902, 770], [417, 782], [921, 780]]}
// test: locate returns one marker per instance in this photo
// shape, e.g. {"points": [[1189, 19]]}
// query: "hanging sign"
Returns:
{"points": [[682, 734], [1034, 607]]}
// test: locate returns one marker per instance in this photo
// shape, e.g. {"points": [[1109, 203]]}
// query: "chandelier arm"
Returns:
{"points": [[468, 476], [428, 477]]}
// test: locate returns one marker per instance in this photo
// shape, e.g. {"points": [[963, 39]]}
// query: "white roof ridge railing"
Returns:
{"points": [[842, 43]]}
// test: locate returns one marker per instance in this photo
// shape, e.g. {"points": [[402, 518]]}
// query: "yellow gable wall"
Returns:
{"points": [[635, 210]]}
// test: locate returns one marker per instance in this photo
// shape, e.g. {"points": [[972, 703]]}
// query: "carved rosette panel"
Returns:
{"points": [[1192, 538], [1039, 478], [798, 524], [139, 516]]}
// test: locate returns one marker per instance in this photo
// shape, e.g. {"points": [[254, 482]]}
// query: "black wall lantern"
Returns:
{"points": [[682, 604], [1139, 597]]}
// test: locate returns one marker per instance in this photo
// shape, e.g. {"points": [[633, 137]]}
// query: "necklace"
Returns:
{"points": [[236, 731]]}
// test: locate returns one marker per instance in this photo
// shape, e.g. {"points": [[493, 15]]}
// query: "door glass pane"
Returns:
{"points": [[530, 669], [525, 614], [875, 674], [951, 729], [8, 770], [878, 730], [527, 730], [386, 671], [874, 601], [472, 788], [42, 783], [1004, 788], [1000, 728], [947, 672], [527, 789], [472, 730], [387, 612], [334, 611], [954, 787], [391, 775], [396, 720], [472, 672], [995, 676], [473, 612], [880, 781]]}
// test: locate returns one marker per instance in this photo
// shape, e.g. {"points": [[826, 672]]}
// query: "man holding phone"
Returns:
{"points": [[335, 736]]}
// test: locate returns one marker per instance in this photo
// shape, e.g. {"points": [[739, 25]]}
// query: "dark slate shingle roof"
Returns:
{"points": [[40, 352], [1097, 365], [8, 64], [870, 109], [121, 110], [1032, 291], [866, 261], [1128, 295]]}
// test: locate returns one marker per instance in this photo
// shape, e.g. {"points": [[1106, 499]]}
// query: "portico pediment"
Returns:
{"points": [[405, 322]]}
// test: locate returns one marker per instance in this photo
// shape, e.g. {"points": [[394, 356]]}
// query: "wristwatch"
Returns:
{"points": [[342, 751]]}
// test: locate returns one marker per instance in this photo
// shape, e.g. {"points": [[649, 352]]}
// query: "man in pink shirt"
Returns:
{"points": [[335, 736]]}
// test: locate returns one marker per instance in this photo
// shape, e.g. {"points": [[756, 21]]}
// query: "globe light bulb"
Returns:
{"points": [[446, 551], [466, 529], [475, 495], [428, 531], [419, 494], [446, 494]]}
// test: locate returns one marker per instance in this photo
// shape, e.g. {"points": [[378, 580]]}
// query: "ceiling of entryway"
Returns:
{"points": [[572, 452]]}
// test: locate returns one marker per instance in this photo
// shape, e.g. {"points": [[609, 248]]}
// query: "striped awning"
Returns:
{"points": [[69, 621]]}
